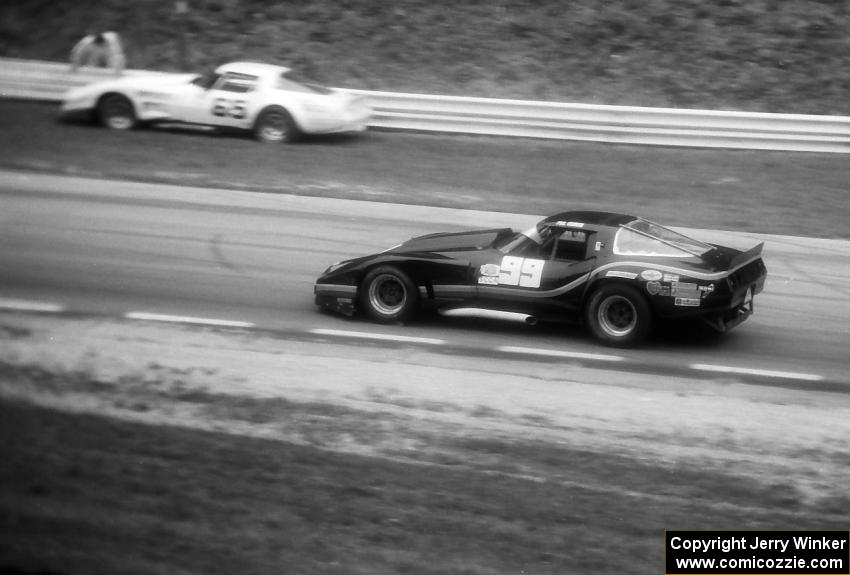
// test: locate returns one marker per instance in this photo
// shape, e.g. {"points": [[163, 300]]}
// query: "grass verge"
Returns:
{"points": [[767, 192], [91, 494]]}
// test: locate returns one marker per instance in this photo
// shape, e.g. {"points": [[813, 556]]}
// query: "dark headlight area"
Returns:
{"points": [[334, 267]]}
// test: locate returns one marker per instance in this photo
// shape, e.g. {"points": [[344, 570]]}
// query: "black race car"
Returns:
{"points": [[616, 273]]}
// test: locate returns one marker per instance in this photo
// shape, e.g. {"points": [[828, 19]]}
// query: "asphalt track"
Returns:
{"points": [[248, 260]]}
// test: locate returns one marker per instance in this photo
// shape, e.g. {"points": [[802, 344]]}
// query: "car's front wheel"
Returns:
{"points": [[388, 295], [275, 125], [116, 112], [618, 315]]}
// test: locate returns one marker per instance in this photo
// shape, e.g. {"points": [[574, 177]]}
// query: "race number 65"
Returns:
{"points": [[225, 107], [521, 271]]}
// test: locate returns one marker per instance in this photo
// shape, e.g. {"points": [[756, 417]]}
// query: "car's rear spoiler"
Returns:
{"points": [[746, 257]]}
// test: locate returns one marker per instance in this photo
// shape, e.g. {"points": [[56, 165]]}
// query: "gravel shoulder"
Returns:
{"points": [[567, 438]]}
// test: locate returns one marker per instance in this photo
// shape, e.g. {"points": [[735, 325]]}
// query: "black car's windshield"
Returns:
{"points": [[522, 240]]}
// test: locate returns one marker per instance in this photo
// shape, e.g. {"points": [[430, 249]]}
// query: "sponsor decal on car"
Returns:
{"points": [[651, 275], [688, 302], [686, 290], [490, 270], [619, 274], [654, 288]]}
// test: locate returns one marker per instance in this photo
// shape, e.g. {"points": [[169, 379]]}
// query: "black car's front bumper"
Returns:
{"points": [[336, 298]]}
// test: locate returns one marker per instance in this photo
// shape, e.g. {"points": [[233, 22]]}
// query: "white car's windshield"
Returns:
{"points": [[205, 80]]}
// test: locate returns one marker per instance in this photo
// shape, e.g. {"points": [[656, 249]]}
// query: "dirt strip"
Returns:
{"points": [[413, 405]]}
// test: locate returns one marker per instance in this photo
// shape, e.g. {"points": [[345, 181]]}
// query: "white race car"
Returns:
{"points": [[265, 99]]}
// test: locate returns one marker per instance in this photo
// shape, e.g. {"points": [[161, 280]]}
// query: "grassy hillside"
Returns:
{"points": [[756, 55]]}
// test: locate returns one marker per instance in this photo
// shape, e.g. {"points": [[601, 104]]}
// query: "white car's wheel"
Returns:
{"points": [[275, 125], [116, 112]]}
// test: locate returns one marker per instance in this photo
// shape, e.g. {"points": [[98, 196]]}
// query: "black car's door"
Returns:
{"points": [[544, 280]]}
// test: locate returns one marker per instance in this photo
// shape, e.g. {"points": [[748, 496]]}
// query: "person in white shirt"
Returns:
{"points": [[102, 50]]}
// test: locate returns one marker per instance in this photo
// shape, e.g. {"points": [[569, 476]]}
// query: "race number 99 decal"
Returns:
{"points": [[521, 271]]}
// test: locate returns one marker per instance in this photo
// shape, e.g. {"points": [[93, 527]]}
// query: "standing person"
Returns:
{"points": [[102, 50]]}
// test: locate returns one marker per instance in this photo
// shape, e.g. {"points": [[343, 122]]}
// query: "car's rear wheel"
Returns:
{"points": [[388, 295], [275, 125], [618, 315], [116, 112]]}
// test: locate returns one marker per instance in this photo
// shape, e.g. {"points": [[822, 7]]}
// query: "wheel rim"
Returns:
{"points": [[387, 294], [617, 316], [273, 128], [119, 114]]}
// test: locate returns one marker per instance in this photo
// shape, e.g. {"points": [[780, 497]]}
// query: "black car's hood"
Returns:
{"points": [[454, 241]]}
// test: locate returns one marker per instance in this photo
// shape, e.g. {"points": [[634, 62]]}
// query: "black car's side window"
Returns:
{"points": [[530, 249], [570, 246]]}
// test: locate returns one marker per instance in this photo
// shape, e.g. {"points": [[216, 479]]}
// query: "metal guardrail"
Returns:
{"points": [[39, 80], [48, 81]]}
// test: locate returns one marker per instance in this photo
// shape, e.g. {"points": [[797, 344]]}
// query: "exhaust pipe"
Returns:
{"points": [[490, 314]]}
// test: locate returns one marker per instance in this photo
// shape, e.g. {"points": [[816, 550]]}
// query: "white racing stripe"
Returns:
{"points": [[758, 372], [26, 305], [378, 336], [186, 319], [558, 353]]}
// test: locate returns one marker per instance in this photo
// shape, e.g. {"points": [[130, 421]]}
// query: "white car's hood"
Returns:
{"points": [[131, 83]]}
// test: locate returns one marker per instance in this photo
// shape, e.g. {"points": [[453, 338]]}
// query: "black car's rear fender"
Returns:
{"points": [[599, 283]]}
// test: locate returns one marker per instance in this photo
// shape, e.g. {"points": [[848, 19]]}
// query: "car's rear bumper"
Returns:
{"points": [[725, 320], [342, 128]]}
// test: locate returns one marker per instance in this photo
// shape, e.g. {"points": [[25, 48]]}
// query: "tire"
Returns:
{"points": [[388, 295], [618, 315], [116, 112], [275, 125]]}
